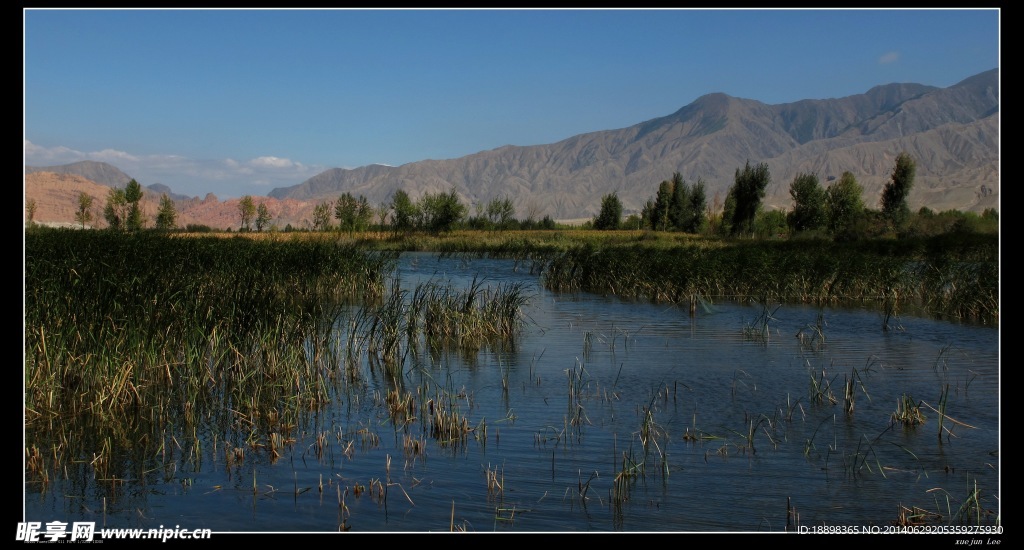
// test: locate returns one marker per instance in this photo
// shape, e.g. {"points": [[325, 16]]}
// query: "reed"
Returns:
{"points": [[939, 275], [821, 390], [812, 336], [629, 470], [967, 510], [760, 328], [142, 326], [578, 389], [495, 481], [943, 400], [908, 413], [850, 391]]}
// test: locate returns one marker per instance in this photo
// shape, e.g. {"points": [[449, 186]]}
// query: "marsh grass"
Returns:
{"points": [[653, 438], [120, 324], [760, 328], [955, 277], [821, 391], [850, 386], [243, 333], [908, 412], [971, 509], [812, 336], [578, 391]]}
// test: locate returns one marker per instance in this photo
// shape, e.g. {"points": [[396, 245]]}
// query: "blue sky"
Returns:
{"points": [[239, 102]]}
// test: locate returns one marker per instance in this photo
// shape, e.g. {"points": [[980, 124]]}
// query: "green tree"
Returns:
{"points": [[30, 210], [894, 194], [382, 214], [715, 215], [262, 217], [501, 213], [748, 190], [728, 212], [844, 204], [698, 207], [808, 203], [364, 213], [769, 223], [662, 202], [678, 210], [610, 215], [166, 215], [441, 211], [84, 213], [646, 214], [246, 211], [133, 196], [404, 212], [115, 211], [352, 214], [345, 211], [322, 216]]}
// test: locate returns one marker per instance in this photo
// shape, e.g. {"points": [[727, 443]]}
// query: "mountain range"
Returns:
{"points": [[952, 133]]}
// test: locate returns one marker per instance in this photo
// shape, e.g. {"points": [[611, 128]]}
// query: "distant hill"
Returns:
{"points": [[98, 172], [161, 189], [951, 132]]}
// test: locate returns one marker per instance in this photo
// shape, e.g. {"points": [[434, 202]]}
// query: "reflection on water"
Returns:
{"points": [[611, 416]]}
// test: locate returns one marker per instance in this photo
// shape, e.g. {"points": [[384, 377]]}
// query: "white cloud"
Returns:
{"points": [[271, 162], [36, 155], [190, 176], [112, 156], [889, 57]]}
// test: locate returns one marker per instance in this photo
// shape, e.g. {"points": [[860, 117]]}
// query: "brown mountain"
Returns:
{"points": [[951, 132]]}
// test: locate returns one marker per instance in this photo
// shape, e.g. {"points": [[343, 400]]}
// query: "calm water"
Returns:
{"points": [[598, 388]]}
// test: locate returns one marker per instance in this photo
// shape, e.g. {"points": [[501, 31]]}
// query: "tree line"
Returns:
{"points": [[837, 211], [122, 210], [433, 212]]}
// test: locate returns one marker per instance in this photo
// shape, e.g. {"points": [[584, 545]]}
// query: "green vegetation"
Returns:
{"points": [[246, 211], [115, 322], [115, 210], [610, 216], [843, 205], [262, 216], [151, 336], [894, 194], [951, 275], [352, 214], [808, 212], [745, 194], [322, 216], [30, 211], [84, 213], [133, 194], [677, 207], [166, 216]]}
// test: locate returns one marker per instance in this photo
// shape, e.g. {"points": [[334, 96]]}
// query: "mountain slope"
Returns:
{"points": [[944, 128]]}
